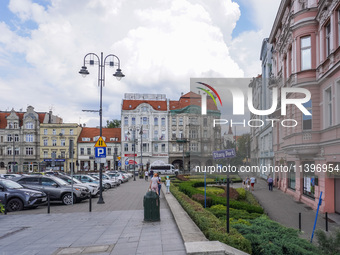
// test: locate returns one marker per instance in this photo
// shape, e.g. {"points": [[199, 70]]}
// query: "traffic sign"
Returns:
{"points": [[100, 152], [126, 162], [100, 143], [119, 163]]}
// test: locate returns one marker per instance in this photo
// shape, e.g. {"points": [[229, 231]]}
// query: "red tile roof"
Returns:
{"points": [[90, 132], [191, 98], [3, 120], [133, 104]]}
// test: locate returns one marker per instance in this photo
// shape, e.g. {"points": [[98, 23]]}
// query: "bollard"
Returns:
{"points": [[48, 203], [90, 203], [326, 221], [299, 221], [5, 204]]}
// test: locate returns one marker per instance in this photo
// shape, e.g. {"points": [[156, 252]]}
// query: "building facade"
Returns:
{"points": [[20, 139], [306, 54], [55, 146], [86, 148], [144, 129]]}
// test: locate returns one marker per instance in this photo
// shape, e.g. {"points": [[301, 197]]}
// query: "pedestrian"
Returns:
{"points": [[167, 184], [159, 184], [154, 184], [270, 182], [146, 175], [252, 182], [248, 183], [151, 173]]}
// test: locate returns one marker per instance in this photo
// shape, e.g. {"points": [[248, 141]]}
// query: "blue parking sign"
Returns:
{"points": [[100, 152]]}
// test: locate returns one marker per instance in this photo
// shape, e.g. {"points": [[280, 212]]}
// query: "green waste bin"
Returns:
{"points": [[151, 206]]}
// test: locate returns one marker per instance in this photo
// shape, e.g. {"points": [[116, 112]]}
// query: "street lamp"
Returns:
{"points": [[135, 142], [101, 62]]}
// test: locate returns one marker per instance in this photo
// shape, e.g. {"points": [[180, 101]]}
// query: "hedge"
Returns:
{"points": [[189, 188], [209, 224], [268, 237], [220, 212]]}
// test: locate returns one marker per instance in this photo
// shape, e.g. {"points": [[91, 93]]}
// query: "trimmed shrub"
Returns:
{"points": [[182, 177], [220, 212], [212, 190], [211, 226], [268, 237], [242, 193], [328, 244], [200, 199]]}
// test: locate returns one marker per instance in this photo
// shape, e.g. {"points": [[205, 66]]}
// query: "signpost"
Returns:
{"points": [[100, 155], [229, 153]]}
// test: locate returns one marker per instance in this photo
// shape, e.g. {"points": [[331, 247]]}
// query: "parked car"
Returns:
{"points": [[121, 178], [93, 188], [88, 179], [107, 181], [9, 176], [19, 197], [58, 189]]}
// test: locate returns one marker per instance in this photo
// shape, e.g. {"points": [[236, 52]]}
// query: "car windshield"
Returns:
{"points": [[11, 184], [61, 181]]}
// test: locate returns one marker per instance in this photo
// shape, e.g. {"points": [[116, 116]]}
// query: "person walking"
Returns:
{"points": [[270, 182], [151, 173], [159, 184], [248, 183], [154, 184], [167, 185], [252, 182], [146, 174]]}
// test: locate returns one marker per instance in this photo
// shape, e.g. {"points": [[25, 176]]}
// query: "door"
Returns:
{"points": [[337, 194]]}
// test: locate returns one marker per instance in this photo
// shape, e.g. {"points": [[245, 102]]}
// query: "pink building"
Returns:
{"points": [[306, 54]]}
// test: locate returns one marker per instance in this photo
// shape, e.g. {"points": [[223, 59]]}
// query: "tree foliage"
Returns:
{"points": [[113, 123]]}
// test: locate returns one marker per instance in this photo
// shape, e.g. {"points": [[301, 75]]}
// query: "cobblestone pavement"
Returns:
{"points": [[115, 227]]}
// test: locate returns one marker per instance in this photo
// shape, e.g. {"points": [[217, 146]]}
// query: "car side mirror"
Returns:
{"points": [[55, 185]]}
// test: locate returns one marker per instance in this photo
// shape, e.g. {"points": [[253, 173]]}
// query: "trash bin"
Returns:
{"points": [[151, 206]]}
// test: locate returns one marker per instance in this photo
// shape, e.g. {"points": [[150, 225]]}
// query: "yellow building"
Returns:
{"points": [[54, 144]]}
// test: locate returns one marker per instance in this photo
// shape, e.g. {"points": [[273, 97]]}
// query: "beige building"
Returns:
{"points": [[55, 140]]}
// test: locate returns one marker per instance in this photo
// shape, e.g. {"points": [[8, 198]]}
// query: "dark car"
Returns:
{"points": [[58, 189], [19, 197]]}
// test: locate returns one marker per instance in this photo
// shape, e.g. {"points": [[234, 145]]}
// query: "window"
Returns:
{"points": [[145, 109], [133, 121], [163, 147], [45, 142], [193, 147], [205, 133], [62, 154], [291, 175], [163, 135], [155, 147], [10, 125], [205, 122], [29, 138], [62, 131], [29, 150], [309, 179], [82, 151], [88, 151], [45, 154], [307, 119], [126, 147], [9, 138], [155, 135], [54, 132], [328, 107], [16, 138], [173, 147], [71, 132], [126, 121], [193, 134], [173, 134], [86, 139], [180, 121], [181, 134], [180, 147], [163, 122], [16, 125], [62, 142], [328, 38], [145, 121], [9, 150], [306, 55], [29, 125], [145, 147], [54, 142], [45, 131], [155, 120], [173, 121], [109, 151]]}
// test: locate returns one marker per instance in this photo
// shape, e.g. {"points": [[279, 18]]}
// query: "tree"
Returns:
{"points": [[113, 123]]}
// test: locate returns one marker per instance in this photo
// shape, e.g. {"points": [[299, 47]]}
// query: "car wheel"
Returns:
{"points": [[67, 199], [120, 181], [107, 186], [15, 204]]}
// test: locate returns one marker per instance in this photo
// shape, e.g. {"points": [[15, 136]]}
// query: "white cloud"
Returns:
{"points": [[161, 44]]}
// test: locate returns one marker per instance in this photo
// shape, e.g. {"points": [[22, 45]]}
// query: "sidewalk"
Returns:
{"points": [[282, 208], [116, 227]]}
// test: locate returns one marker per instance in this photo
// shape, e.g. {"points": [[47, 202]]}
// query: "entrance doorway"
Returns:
{"points": [[337, 194]]}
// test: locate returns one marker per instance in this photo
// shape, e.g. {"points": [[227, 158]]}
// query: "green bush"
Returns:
{"points": [[329, 245], [2, 208], [212, 190], [268, 237], [242, 193], [211, 226], [220, 212]]}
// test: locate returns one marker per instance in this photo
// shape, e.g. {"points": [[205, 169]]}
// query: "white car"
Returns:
{"points": [[107, 183], [92, 187]]}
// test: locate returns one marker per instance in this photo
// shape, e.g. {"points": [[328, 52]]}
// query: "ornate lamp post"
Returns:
{"points": [[110, 60]]}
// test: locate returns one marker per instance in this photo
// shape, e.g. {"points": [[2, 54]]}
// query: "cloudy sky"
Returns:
{"points": [[161, 45]]}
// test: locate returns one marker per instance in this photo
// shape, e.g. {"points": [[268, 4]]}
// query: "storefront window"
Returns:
{"points": [[309, 180], [291, 175]]}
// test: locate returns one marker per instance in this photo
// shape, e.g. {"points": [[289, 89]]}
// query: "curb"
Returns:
{"points": [[194, 240]]}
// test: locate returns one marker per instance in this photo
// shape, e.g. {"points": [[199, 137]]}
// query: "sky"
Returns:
{"points": [[161, 45]]}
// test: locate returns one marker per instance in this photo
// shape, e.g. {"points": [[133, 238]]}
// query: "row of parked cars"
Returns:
{"points": [[30, 191]]}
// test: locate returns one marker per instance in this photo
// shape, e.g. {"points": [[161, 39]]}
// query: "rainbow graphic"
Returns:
{"points": [[209, 93]]}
